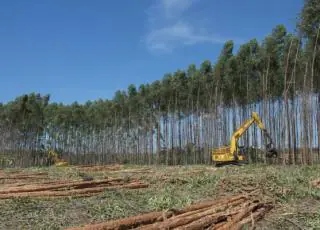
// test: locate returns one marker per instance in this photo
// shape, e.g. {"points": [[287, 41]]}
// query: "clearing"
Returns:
{"points": [[160, 197]]}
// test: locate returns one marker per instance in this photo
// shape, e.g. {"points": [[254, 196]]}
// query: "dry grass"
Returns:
{"points": [[169, 187], [231, 212]]}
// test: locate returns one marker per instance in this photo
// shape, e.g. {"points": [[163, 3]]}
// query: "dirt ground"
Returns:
{"points": [[188, 197]]}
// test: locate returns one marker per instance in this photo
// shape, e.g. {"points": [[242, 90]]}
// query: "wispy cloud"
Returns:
{"points": [[181, 33], [170, 26], [175, 7]]}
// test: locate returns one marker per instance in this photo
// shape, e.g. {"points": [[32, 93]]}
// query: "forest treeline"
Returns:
{"points": [[180, 118]]}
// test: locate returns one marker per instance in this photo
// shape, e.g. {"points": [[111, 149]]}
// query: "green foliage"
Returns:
{"points": [[203, 179], [239, 77], [309, 18], [168, 198], [277, 66]]}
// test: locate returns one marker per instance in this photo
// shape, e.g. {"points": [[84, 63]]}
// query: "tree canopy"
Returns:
{"points": [[169, 111]]}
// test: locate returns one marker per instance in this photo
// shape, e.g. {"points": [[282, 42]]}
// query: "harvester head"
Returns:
{"points": [[271, 151]]}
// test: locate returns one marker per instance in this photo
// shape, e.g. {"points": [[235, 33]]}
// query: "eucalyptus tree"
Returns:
{"points": [[180, 117]]}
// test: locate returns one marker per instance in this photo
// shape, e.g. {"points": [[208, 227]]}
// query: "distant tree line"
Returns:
{"points": [[179, 119]]}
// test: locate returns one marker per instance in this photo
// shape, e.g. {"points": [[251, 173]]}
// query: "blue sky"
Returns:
{"points": [[79, 50]]}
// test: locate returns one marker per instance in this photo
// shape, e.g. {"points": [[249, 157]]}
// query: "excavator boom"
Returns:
{"points": [[232, 153], [237, 134]]}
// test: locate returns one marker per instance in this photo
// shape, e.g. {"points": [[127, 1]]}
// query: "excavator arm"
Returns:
{"points": [[231, 153], [238, 133], [271, 151]]}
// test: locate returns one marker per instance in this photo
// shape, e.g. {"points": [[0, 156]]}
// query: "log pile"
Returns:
{"points": [[68, 188], [315, 183], [226, 213], [22, 176]]}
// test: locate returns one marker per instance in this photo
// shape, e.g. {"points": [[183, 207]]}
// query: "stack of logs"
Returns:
{"points": [[231, 212], [67, 188]]}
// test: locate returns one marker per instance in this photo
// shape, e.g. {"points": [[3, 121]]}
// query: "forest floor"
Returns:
{"points": [[58, 198]]}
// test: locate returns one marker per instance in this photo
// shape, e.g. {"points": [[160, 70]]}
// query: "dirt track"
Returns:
{"points": [[226, 213]]}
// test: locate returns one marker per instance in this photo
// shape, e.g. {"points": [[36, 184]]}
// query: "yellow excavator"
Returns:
{"points": [[56, 160], [234, 153]]}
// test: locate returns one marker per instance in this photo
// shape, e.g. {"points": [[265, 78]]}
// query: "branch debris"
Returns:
{"points": [[231, 212]]}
